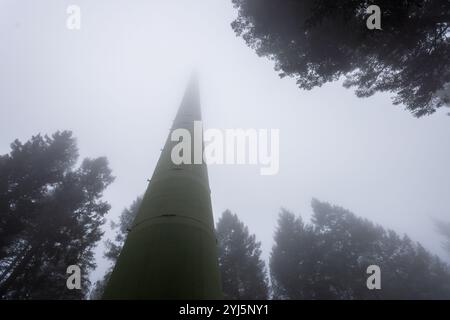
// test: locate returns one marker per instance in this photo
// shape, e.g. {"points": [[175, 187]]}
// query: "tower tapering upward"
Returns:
{"points": [[170, 251]]}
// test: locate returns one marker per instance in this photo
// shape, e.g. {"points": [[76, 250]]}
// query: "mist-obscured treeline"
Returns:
{"points": [[52, 210], [324, 259]]}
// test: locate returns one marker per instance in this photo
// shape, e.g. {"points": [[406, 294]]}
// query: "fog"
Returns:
{"points": [[118, 82]]}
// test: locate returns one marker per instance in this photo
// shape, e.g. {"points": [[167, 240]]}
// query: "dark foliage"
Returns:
{"points": [[243, 271], [328, 259], [50, 216], [113, 248], [318, 41]]}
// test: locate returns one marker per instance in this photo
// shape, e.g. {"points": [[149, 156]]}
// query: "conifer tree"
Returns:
{"points": [[243, 271]]}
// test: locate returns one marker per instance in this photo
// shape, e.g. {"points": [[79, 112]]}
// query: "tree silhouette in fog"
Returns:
{"points": [[317, 41], [328, 259], [243, 271], [113, 248], [50, 216], [443, 229]]}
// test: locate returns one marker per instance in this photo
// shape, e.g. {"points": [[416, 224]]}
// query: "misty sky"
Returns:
{"points": [[118, 82]]}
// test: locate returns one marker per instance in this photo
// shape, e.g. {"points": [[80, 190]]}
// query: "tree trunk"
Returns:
{"points": [[18, 270], [14, 263]]}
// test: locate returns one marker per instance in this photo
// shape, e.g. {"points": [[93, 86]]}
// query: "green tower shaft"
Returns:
{"points": [[170, 251]]}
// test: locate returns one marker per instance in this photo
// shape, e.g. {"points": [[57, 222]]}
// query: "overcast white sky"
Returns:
{"points": [[118, 82]]}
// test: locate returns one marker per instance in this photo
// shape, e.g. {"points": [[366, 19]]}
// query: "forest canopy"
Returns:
{"points": [[318, 41]]}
